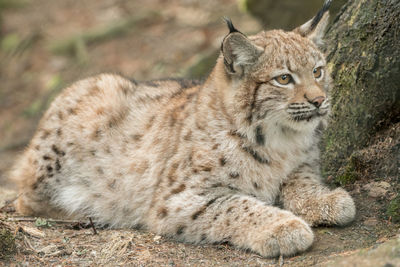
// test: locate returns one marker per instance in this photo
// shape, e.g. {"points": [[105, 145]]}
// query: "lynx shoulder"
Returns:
{"points": [[202, 162]]}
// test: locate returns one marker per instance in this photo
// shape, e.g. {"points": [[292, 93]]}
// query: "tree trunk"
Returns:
{"points": [[363, 53]]}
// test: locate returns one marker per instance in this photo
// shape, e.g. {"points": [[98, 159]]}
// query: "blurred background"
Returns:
{"points": [[47, 44]]}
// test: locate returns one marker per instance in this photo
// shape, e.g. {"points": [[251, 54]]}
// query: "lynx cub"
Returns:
{"points": [[200, 162]]}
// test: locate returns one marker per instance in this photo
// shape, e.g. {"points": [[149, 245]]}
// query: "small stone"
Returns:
{"points": [[384, 185], [377, 189], [371, 222], [156, 238]]}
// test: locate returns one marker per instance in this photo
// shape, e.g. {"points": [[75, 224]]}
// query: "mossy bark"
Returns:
{"points": [[363, 53]]}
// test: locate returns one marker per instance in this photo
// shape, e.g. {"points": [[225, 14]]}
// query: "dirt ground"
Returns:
{"points": [[46, 45]]}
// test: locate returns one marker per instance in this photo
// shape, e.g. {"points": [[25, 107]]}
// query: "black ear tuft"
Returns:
{"points": [[320, 13], [230, 25]]}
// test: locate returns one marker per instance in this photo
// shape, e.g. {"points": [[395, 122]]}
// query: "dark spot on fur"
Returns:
{"points": [[253, 103], [251, 214], [215, 146], [188, 136], [206, 168], [232, 188], [97, 134], [256, 186], [203, 237], [45, 134], [246, 208], [150, 122], [222, 161], [71, 111], [46, 157], [255, 155], [93, 152], [137, 137], [112, 184], [237, 134], [96, 195], [49, 168], [172, 173], [259, 136], [99, 170], [216, 185], [229, 209], [57, 151], [228, 223], [178, 189], [202, 209], [58, 165], [180, 230], [38, 181], [162, 212], [70, 144], [60, 115], [59, 132], [234, 175], [37, 147]]}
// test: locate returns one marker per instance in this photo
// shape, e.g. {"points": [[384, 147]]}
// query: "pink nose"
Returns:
{"points": [[317, 101]]}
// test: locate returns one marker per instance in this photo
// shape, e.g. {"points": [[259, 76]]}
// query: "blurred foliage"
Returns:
{"points": [[13, 3], [202, 66], [10, 42], [286, 14], [53, 87], [393, 209], [77, 45], [6, 4]]}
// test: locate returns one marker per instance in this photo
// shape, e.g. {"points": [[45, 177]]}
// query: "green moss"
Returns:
{"points": [[393, 210], [7, 244], [350, 173]]}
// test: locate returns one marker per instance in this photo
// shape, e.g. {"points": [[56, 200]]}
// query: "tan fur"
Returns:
{"points": [[202, 163]]}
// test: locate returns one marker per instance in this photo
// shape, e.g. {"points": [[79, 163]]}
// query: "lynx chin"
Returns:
{"points": [[231, 159]]}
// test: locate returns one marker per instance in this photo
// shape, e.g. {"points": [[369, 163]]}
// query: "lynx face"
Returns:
{"points": [[282, 76]]}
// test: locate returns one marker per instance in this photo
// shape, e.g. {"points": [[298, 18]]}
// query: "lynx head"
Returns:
{"points": [[278, 77]]}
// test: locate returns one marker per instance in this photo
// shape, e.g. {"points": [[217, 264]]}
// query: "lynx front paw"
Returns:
{"points": [[338, 208], [286, 238]]}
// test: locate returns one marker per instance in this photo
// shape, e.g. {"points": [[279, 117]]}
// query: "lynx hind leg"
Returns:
{"points": [[243, 221], [32, 199]]}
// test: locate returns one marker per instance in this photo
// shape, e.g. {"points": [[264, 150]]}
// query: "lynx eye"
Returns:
{"points": [[317, 72], [284, 79]]}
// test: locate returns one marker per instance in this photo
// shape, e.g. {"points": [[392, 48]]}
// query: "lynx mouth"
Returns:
{"points": [[308, 115]]}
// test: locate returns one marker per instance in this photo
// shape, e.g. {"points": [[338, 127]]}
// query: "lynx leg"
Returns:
{"points": [[32, 199], [240, 220], [308, 198]]}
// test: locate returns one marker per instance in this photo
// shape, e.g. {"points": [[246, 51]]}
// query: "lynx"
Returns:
{"points": [[231, 159]]}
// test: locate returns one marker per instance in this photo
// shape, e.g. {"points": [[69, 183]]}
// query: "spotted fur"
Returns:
{"points": [[202, 162]]}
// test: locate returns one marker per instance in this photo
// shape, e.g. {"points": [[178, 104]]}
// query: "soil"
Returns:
{"points": [[166, 39]]}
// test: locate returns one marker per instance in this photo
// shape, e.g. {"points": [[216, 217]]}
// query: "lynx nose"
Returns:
{"points": [[317, 102]]}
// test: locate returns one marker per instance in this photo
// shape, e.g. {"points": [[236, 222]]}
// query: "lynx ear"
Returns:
{"points": [[238, 51], [314, 29]]}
